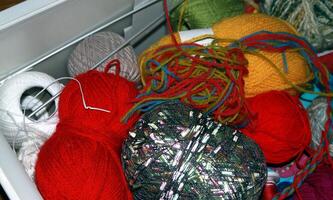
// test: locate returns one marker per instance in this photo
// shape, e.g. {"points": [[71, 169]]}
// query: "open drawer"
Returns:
{"points": [[40, 35]]}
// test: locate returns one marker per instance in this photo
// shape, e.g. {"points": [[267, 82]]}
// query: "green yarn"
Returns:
{"points": [[312, 18], [204, 13]]}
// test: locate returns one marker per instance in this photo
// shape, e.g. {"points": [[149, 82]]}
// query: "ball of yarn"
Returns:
{"points": [[175, 152], [313, 19], [318, 118], [279, 125], [262, 77], [195, 14], [28, 154], [318, 185], [14, 124], [96, 47], [82, 158]]}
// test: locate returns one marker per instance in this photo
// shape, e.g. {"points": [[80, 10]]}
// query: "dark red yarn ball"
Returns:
{"points": [[279, 125], [318, 186], [82, 158]]}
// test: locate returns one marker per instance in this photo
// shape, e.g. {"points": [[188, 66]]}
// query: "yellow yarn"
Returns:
{"points": [[262, 75]]}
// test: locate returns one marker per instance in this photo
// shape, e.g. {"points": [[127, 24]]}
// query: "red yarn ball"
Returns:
{"points": [[81, 160], [279, 124]]}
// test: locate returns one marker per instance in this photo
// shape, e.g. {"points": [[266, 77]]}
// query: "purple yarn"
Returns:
{"points": [[318, 185]]}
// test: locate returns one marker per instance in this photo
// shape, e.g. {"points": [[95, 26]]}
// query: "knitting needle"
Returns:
{"points": [[48, 55], [150, 26]]}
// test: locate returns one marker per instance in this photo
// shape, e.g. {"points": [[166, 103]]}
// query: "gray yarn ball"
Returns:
{"points": [[175, 152], [96, 47]]}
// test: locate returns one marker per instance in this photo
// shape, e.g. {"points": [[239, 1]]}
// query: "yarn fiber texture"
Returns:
{"points": [[29, 149], [313, 19], [14, 125], [318, 118], [96, 47], [327, 59], [196, 14], [212, 82], [175, 152], [318, 186], [279, 125], [262, 77], [82, 158]]}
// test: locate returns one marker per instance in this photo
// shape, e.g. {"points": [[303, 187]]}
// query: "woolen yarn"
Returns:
{"points": [[82, 159], [279, 125], [262, 76], [96, 47]]}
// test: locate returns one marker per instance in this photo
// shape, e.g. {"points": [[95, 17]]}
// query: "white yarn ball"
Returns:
{"points": [[29, 150], [14, 125], [96, 47], [28, 154]]}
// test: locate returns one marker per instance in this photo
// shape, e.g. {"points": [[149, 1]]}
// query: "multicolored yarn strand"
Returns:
{"points": [[183, 71], [209, 78], [268, 41], [313, 19], [176, 152], [283, 42]]}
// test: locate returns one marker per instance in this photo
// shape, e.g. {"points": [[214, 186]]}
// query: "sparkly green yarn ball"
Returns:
{"points": [[175, 152], [312, 18]]}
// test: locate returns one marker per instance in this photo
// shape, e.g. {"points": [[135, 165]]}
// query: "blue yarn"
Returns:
{"points": [[307, 98], [285, 64], [282, 44], [203, 97], [276, 33], [224, 98]]}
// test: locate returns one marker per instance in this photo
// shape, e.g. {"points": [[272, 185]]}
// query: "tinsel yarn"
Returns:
{"points": [[81, 160], [96, 47], [313, 19], [176, 152]]}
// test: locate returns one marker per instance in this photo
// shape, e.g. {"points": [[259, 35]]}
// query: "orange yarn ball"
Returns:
{"points": [[262, 76]]}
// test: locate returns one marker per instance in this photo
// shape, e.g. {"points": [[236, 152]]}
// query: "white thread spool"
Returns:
{"points": [[15, 126], [96, 47]]}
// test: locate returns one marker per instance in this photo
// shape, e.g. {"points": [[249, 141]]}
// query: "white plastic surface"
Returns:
{"points": [[24, 40], [13, 178], [28, 39], [190, 34]]}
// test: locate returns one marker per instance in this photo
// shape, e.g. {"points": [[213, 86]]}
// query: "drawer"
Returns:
{"points": [[41, 37]]}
